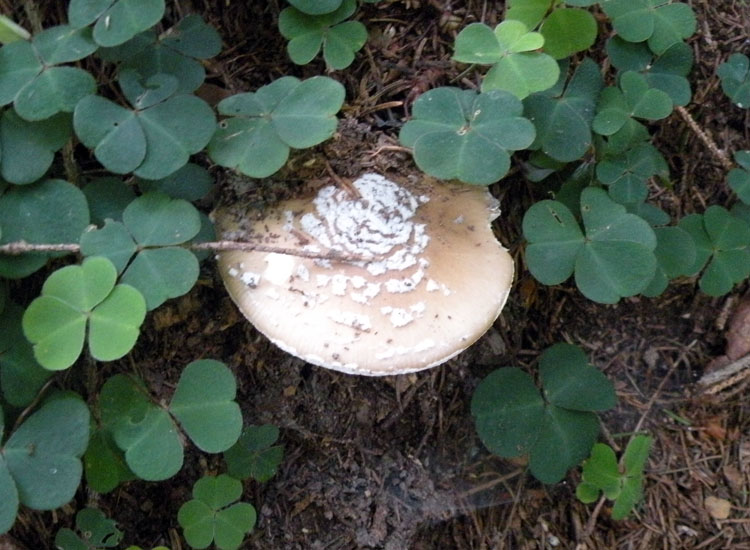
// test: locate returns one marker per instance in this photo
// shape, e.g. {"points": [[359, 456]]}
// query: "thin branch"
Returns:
{"points": [[22, 247], [707, 140]]}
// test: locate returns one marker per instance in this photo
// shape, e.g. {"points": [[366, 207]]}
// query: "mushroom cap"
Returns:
{"points": [[431, 280]]}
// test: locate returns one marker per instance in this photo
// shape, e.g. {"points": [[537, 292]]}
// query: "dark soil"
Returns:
{"points": [[394, 463]]}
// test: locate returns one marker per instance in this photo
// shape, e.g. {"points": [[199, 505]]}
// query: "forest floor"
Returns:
{"points": [[394, 463]]}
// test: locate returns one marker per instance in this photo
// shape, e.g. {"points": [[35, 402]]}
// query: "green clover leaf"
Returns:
{"points": [[675, 256], [77, 298], [626, 173], [464, 135], [191, 182], [96, 532], [517, 68], [613, 259], [117, 21], [254, 455], [205, 407], [49, 211], [556, 428], [316, 7], [567, 31], [214, 515], [107, 197], [104, 463], [339, 39], [263, 126], [735, 79], [739, 178], [563, 120], [40, 464]]}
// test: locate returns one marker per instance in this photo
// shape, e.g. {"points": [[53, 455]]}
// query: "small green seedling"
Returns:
{"points": [[95, 531], [214, 515], [735, 79], [40, 464], [461, 134], [660, 22], [666, 72], [33, 78], [555, 428], [723, 242], [10, 31], [203, 404], [739, 178], [612, 258], [563, 115], [621, 483], [115, 21], [263, 126], [307, 34], [155, 137], [517, 66], [83, 300], [255, 455], [144, 246], [633, 99]]}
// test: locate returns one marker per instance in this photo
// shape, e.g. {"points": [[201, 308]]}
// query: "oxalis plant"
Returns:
{"points": [[138, 240]]}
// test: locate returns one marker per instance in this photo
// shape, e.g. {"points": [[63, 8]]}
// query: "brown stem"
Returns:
{"points": [[707, 140]]}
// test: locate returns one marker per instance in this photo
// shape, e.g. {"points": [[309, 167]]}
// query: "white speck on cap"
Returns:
{"points": [[430, 278]]}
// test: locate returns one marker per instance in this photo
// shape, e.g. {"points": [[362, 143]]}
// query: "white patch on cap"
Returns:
{"points": [[250, 279], [303, 273], [398, 316]]}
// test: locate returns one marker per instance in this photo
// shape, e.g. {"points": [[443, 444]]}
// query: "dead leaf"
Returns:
{"points": [[734, 478], [738, 334], [718, 508]]}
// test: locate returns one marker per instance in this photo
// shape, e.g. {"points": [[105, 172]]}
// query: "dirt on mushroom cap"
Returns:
{"points": [[428, 280]]}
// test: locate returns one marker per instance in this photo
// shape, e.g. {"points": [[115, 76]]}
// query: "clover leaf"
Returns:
{"points": [[143, 246], [191, 182], [263, 126], [661, 22], [31, 78], [214, 515], [117, 21], [626, 173], [516, 67], [107, 197], [339, 39], [735, 79], [143, 430], [634, 98], [563, 119], [555, 428], [666, 72], [104, 463], [601, 473], [465, 135], [21, 376], [567, 31], [316, 7], [675, 256], [50, 211], [204, 405], [723, 242], [80, 299], [739, 178], [40, 464], [613, 259], [177, 52], [96, 532], [153, 139], [254, 455]]}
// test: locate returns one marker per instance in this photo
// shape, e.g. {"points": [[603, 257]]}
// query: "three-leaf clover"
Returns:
{"points": [[623, 484], [155, 137], [723, 242], [40, 464], [555, 428], [339, 39], [510, 49], [613, 258], [214, 515], [96, 531], [255, 455], [626, 173], [116, 20], [633, 99], [32, 78], [143, 247], [660, 22], [563, 119], [735, 79], [263, 126], [79, 301], [466, 135]]}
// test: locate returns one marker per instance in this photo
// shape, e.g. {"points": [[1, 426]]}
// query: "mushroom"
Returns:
{"points": [[405, 274]]}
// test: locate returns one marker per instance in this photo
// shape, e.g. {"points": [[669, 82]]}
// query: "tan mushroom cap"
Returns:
{"points": [[432, 280]]}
